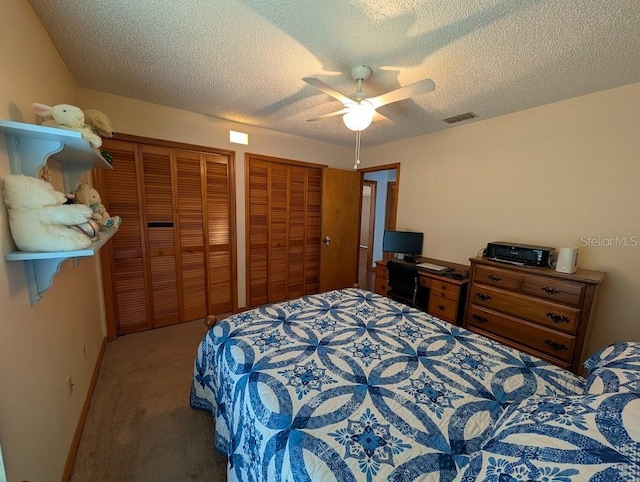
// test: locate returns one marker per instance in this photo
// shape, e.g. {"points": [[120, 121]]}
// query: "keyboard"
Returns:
{"points": [[433, 267]]}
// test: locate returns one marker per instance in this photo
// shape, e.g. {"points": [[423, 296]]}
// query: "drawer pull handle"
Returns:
{"points": [[555, 345], [483, 297], [557, 318], [442, 307], [550, 291], [478, 318], [495, 278]]}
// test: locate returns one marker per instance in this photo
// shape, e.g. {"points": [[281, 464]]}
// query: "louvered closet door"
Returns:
{"points": [[219, 225], [189, 174], [313, 227], [296, 216], [125, 286], [278, 231], [284, 205], [156, 166], [258, 230]]}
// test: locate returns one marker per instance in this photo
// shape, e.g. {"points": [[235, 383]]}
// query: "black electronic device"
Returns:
{"points": [[406, 243], [520, 254]]}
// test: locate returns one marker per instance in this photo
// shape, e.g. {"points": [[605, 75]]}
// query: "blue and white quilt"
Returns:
{"points": [[351, 386]]}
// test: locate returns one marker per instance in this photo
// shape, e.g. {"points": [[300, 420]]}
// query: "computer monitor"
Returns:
{"points": [[407, 243]]}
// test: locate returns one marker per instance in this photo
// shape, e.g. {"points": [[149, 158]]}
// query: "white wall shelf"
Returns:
{"points": [[30, 147]]}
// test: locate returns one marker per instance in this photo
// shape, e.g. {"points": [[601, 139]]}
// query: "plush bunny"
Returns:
{"points": [[38, 219], [66, 116], [98, 122]]}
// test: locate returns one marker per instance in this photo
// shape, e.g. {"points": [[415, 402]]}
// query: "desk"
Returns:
{"points": [[447, 294]]}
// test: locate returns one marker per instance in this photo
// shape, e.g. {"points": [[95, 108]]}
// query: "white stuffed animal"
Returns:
{"points": [[38, 219], [66, 116]]}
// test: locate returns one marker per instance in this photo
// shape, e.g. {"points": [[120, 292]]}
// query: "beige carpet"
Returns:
{"points": [[140, 426]]}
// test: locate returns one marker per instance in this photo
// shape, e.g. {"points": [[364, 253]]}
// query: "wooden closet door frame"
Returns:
{"points": [[107, 274], [248, 157]]}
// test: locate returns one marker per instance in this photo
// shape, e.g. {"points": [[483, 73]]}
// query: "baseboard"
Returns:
{"points": [[75, 442]]}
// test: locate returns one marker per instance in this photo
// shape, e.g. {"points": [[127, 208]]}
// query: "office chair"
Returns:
{"points": [[403, 282]]}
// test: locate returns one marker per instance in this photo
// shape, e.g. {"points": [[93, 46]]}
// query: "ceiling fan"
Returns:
{"points": [[359, 110]]}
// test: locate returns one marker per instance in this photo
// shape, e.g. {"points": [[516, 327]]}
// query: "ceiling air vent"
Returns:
{"points": [[460, 117]]}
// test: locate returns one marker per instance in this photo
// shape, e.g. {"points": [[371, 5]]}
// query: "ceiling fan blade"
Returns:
{"points": [[377, 117], [327, 89], [411, 90], [330, 114]]}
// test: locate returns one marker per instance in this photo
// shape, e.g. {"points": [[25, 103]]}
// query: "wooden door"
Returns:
{"points": [[219, 234], [283, 229], [163, 259], [391, 206], [173, 258], [257, 180], [191, 232], [313, 230], [341, 222], [123, 259]]}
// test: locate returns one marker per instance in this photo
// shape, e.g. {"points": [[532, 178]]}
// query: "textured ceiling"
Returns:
{"points": [[243, 60]]}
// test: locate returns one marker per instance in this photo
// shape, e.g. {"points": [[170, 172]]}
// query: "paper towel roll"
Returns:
{"points": [[567, 260]]}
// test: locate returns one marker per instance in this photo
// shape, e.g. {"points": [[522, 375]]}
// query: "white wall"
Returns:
{"points": [[40, 345], [135, 117], [554, 175]]}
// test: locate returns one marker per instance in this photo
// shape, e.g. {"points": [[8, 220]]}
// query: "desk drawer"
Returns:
{"points": [[442, 308], [556, 344], [450, 291], [500, 278], [382, 272], [381, 287], [558, 317]]}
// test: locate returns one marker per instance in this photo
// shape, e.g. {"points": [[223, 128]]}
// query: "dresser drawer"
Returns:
{"points": [[497, 277], [558, 317], [555, 290], [556, 344], [442, 308]]}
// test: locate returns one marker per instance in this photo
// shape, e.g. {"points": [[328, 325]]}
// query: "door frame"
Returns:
{"points": [[383, 167], [372, 221]]}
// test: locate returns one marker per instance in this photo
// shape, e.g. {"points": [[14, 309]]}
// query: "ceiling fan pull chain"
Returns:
{"points": [[355, 166]]}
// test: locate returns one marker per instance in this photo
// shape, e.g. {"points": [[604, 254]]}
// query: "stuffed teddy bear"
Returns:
{"points": [[70, 117], [87, 195], [98, 122], [38, 218]]}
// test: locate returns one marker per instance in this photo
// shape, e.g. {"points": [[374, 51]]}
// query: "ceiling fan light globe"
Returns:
{"points": [[359, 116]]}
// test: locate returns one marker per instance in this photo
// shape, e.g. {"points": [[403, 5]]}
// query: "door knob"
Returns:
{"points": [[327, 240]]}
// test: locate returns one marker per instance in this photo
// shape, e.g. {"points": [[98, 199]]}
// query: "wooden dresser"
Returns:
{"points": [[536, 310], [447, 293]]}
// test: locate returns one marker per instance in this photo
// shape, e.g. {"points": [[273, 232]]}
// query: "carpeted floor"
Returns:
{"points": [[140, 426]]}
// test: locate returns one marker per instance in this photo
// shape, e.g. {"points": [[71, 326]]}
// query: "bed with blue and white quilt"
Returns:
{"points": [[351, 386]]}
